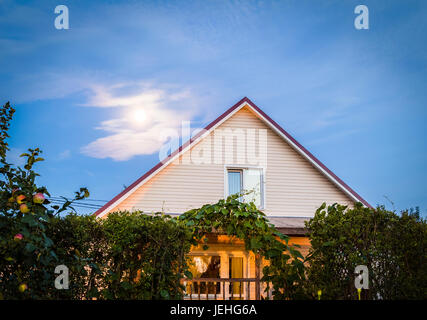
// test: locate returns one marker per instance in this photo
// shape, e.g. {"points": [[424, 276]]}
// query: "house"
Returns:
{"points": [[241, 150]]}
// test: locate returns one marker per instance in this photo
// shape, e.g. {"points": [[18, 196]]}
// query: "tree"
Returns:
{"points": [[27, 255]]}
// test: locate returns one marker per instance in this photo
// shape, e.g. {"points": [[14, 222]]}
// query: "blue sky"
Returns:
{"points": [[355, 98]]}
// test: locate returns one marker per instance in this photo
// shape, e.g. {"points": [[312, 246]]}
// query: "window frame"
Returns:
{"points": [[241, 168]]}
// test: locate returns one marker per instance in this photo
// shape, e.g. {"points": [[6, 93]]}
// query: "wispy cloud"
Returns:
{"points": [[64, 154], [150, 116]]}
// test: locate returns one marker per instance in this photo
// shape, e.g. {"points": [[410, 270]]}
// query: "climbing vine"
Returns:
{"points": [[285, 269]]}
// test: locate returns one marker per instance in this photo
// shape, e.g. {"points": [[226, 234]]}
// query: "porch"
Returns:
{"points": [[225, 289], [226, 271]]}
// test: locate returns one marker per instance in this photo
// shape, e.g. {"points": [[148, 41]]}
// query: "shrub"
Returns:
{"points": [[80, 244], [393, 248], [145, 256]]}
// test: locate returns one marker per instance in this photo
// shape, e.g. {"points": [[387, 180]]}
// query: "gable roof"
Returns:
{"points": [[211, 126]]}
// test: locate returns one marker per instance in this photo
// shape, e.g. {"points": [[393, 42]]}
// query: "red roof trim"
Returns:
{"points": [[208, 127]]}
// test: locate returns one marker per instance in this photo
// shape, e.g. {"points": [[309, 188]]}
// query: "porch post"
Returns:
{"points": [[257, 277], [224, 270]]}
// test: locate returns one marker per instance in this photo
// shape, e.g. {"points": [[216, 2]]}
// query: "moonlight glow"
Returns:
{"points": [[138, 116]]}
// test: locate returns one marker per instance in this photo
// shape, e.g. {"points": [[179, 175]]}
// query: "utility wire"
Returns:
{"points": [[75, 201], [76, 204], [80, 207], [59, 198]]}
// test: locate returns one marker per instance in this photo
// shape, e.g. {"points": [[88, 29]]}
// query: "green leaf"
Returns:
{"points": [[273, 253], [190, 223], [164, 294], [126, 285], [30, 247], [255, 244]]}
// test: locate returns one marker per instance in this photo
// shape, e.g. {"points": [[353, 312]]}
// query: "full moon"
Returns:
{"points": [[138, 116]]}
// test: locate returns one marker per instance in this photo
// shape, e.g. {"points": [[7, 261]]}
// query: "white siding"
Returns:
{"points": [[293, 186]]}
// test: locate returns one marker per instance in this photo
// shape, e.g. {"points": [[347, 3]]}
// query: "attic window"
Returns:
{"points": [[242, 180]]}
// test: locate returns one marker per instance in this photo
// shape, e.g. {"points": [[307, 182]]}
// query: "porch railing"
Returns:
{"points": [[224, 289]]}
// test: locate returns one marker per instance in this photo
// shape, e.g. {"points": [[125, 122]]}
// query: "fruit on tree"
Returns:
{"points": [[38, 198], [24, 208], [20, 198], [18, 236]]}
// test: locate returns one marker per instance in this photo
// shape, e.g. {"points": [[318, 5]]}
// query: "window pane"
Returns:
{"points": [[204, 266], [252, 182], [234, 182], [236, 272], [236, 267]]}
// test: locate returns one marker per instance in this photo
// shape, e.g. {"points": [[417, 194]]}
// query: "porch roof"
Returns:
{"points": [[291, 226]]}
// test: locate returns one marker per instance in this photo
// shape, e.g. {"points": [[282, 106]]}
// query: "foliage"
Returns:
{"points": [[145, 255], [393, 248], [26, 252], [124, 256], [243, 220], [80, 244]]}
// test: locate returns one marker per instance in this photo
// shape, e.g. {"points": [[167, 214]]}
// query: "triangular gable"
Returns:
{"points": [[212, 126]]}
